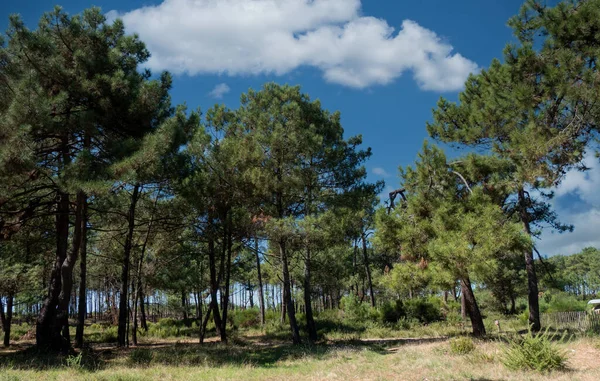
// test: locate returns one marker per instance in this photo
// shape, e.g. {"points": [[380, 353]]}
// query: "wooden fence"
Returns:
{"points": [[583, 321]]}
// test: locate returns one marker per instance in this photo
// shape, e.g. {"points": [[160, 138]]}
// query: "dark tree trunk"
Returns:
{"points": [[184, 305], [287, 294], [83, 276], [310, 321], [143, 322], [472, 307], [532, 283], [513, 307], [228, 243], [214, 285], [368, 268], [2, 315], [463, 302], [123, 297], [261, 298], [49, 323], [7, 319]]}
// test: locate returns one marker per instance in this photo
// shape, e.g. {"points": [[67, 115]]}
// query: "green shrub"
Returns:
{"points": [[141, 356], [422, 310], [354, 310], [461, 346], [535, 352], [108, 335], [561, 302], [392, 312], [246, 318], [169, 322]]}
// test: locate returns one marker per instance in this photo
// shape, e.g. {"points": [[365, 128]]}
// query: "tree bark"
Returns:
{"points": [[7, 319], [472, 307], [123, 297], [368, 268], [214, 286], [228, 243], [532, 283], [48, 325], [287, 294], [310, 321], [83, 276], [261, 298]]}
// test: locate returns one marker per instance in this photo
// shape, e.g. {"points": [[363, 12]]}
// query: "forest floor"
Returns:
{"points": [[254, 357]]}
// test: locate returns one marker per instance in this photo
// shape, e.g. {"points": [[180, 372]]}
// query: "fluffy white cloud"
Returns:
{"points": [[219, 90], [577, 202], [380, 172], [238, 37]]}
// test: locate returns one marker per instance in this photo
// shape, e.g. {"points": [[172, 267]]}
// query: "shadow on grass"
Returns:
{"points": [[238, 352]]}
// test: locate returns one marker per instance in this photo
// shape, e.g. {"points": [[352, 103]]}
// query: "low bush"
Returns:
{"points": [[422, 310], [392, 312], [535, 351], [461, 346], [141, 356], [246, 318]]}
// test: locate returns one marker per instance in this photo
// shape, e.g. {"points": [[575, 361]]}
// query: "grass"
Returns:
{"points": [[364, 360], [347, 351]]}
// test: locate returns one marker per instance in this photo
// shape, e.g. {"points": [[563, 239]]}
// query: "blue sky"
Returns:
{"points": [[344, 53]]}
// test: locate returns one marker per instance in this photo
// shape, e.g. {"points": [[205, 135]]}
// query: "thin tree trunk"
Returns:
{"points": [[310, 321], [123, 297], [261, 298], [463, 302], [472, 308], [368, 268], [287, 294], [7, 320], [532, 283], [82, 313], [228, 243], [214, 285]]}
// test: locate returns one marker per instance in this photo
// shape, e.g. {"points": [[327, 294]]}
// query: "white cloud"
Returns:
{"points": [[240, 37], [577, 202], [219, 90], [380, 172]]}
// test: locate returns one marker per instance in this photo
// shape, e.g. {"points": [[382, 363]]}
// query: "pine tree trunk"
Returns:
{"points": [[82, 313], [123, 297], [310, 322], [7, 319], [228, 242], [532, 283], [287, 294], [261, 298], [214, 286], [49, 325], [472, 307], [368, 268], [143, 322], [463, 302]]}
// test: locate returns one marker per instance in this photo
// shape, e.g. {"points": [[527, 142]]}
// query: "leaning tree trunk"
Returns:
{"points": [[532, 283], [368, 268], [472, 307], [82, 312], [123, 297]]}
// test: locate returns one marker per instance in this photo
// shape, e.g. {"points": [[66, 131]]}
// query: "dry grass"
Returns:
{"points": [[393, 359]]}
